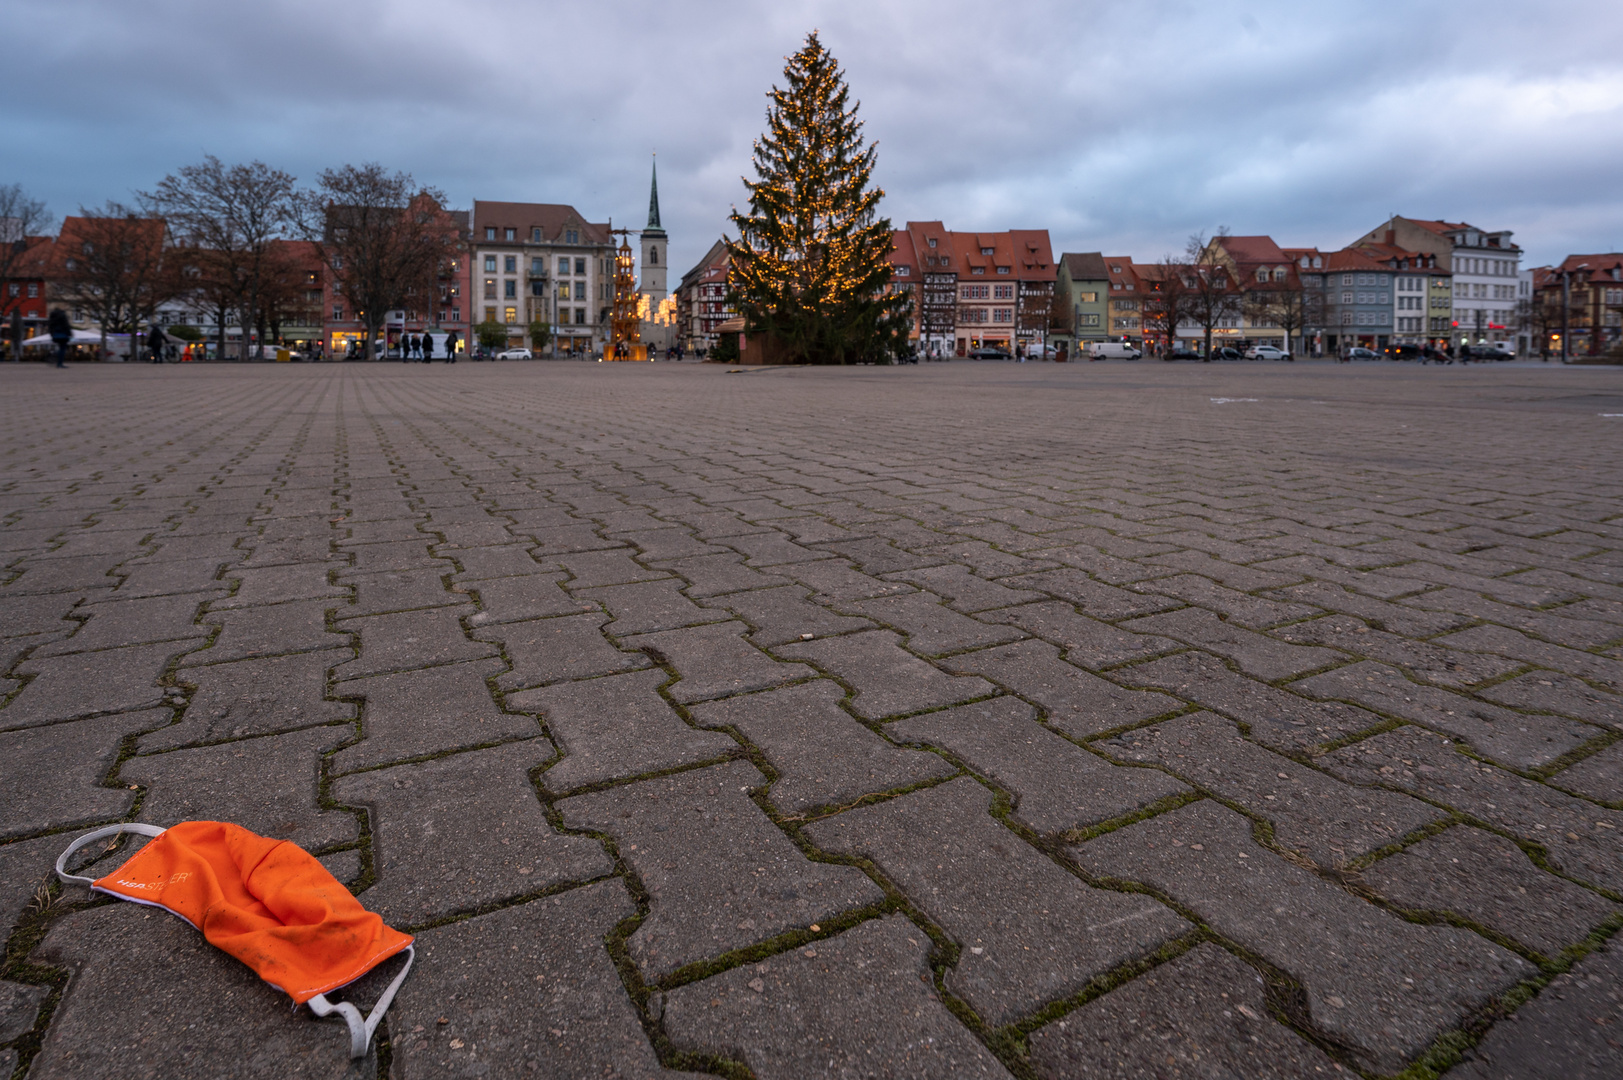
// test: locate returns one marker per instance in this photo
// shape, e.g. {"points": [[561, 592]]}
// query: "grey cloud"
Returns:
{"points": [[1120, 127]]}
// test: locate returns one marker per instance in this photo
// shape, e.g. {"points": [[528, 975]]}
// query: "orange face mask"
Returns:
{"points": [[269, 903]]}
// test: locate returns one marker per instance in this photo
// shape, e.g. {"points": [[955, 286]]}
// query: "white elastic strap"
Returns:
{"points": [[92, 837], [360, 1031]]}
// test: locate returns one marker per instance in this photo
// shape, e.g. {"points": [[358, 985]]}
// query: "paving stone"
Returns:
{"points": [[614, 727], [300, 626], [45, 613], [1094, 599], [784, 614], [715, 661], [1075, 701], [1568, 1032], [1312, 813], [1256, 654], [575, 1021], [823, 756], [1550, 691], [1275, 718], [1514, 738], [1487, 878], [1202, 1014], [713, 575], [1506, 642], [413, 713], [1378, 614], [480, 563], [764, 549], [411, 639], [1088, 642], [396, 555], [877, 556], [965, 591], [835, 580], [990, 562], [1238, 607], [278, 584], [665, 545], [166, 578], [530, 596], [887, 678], [1381, 986], [1031, 932], [19, 1006], [53, 775], [254, 697], [648, 606], [113, 680], [1433, 663], [1579, 625], [270, 786], [720, 876], [398, 590], [570, 540], [1056, 784], [461, 832], [25, 866], [148, 996], [861, 1005], [592, 569], [546, 650], [1581, 838], [1599, 776], [132, 622], [42, 575], [931, 627]]}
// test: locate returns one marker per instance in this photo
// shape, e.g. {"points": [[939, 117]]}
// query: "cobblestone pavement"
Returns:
{"points": [[951, 721]]}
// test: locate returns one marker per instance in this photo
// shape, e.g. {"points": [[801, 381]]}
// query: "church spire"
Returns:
{"points": [[653, 201]]}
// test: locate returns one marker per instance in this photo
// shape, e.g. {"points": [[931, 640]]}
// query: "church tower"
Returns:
{"points": [[655, 252]]}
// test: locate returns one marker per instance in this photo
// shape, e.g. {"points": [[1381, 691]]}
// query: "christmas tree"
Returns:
{"points": [[810, 268]]}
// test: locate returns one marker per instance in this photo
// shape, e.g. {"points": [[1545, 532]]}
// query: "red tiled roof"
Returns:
{"points": [[551, 218], [1251, 249]]}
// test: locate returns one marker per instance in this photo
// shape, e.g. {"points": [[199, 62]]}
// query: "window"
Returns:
{"points": [[490, 288], [1089, 319], [538, 287], [1346, 298], [571, 236], [580, 290], [16, 290], [1003, 269], [1003, 292], [535, 234], [511, 234], [490, 264], [1317, 261], [1279, 273], [511, 315], [975, 292], [490, 314], [974, 270], [1003, 315], [538, 266], [1262, 275], [932, 241], [653, 256], [1346, 318], [1089, 297], [490, 232], [1382, 298], [1346, 279], [509, 289], [337, 313], [580, 316], [904, 271], [563, 265], [580, 266], [1127, 305], [456, 314], [1115, 269]]}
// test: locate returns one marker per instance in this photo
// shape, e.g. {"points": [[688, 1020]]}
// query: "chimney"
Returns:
{"points": [[1391, 235]]}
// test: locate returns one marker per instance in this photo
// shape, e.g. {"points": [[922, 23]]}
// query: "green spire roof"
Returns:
{"points": [[653, 202]]}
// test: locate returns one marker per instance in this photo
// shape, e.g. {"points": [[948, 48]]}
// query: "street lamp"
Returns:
{"points": [[1566, 308]]}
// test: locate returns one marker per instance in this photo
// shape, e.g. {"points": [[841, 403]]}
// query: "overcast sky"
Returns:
{"points": [[1120, 127]]}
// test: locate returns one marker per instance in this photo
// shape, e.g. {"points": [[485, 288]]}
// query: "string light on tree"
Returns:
{"points": [[810, 270]]}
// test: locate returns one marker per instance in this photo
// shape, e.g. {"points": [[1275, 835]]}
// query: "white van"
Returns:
{"points": [[1112, 350]]}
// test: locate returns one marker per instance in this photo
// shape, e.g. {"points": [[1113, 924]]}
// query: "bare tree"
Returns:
{"points": [[117, 266], [1166, 304], [20, 218], [382, 238], [1286, 308], [235, 213], [1213, 295]]}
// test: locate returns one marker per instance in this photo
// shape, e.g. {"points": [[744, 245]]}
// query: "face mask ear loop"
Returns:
{"points": [[92, 837], [360, 1031]]}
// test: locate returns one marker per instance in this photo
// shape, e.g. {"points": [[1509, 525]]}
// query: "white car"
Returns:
{"points": [[515, 354], [1266, 352], [1113, 350]]}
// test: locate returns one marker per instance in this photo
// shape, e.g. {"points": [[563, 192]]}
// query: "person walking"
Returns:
{"points": [[450, 347], [61, 331], [156, 340], [426, 347]]}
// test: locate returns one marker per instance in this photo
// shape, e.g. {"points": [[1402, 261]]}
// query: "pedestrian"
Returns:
{"points": [[156, 340], [451, 343], [61, 331], [427, 347]]}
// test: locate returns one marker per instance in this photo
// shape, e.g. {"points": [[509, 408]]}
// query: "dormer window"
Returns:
{"points": [[1115, 269], [986, 251], [490, 232], [932, 241], [1279, 273], [904, 271], [535, 234], [1262, 275], [1304, 262], [978, 270], [1317, 262], [1003, 269], [571, 236], [511, 235]]}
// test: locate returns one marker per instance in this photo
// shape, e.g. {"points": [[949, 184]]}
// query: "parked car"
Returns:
{"points": [[1506, 350], [1182, 354], [1223, 352], [1403, 352], [515, 354], [1113, 350], [1358, 352], [990, 352], [1266, 352]]}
